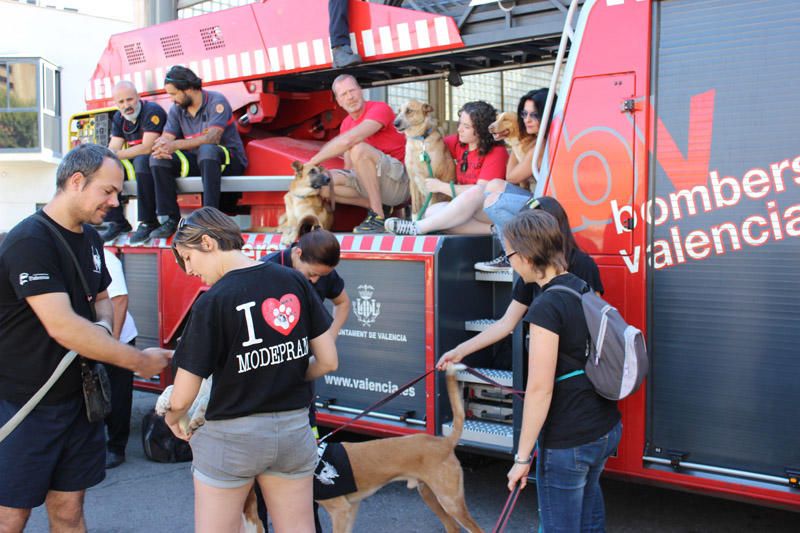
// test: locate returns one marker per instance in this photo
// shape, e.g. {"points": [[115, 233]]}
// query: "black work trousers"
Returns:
{"points": [[338, 25], [206, 161], [118, 422]]}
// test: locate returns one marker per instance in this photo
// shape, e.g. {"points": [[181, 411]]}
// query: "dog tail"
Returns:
{"points": [[308, 224], [456, 404]]}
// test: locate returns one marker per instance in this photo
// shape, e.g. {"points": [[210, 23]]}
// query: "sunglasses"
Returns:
{"points": [[532, 114], [182, 224], [464, 164]]}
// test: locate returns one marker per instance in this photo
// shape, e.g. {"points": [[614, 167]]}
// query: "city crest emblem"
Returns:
{"points": [[366, 308]]}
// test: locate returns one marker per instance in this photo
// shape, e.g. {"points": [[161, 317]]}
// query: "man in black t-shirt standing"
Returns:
{"points": [[55, 454], [134, 130]]}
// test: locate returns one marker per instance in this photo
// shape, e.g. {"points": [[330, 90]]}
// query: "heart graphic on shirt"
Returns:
{"points": [[281, 315]]}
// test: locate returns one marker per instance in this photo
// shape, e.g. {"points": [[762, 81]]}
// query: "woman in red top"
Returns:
{"points": [[479, 159]]}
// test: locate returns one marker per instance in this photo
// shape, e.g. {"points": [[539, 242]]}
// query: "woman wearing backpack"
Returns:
{"points": [[523, 293], [576, 429]]}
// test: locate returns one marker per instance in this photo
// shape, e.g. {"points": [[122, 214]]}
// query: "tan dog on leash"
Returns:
{"points": [[506, 128], [423, 461], [417, 122]]}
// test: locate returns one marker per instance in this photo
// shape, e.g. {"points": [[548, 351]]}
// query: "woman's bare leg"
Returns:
{"points": [[455, 213], [218, 509], [290, 503]]}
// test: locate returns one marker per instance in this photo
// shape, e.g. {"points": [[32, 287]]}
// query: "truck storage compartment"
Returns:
{"points": [[724, 297]]}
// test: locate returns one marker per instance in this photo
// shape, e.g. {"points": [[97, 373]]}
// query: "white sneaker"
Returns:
{"points": [[498, 264], [401, 226]]}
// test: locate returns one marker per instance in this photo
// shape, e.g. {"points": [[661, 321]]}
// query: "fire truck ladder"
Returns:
{"points": [[567, 36]]}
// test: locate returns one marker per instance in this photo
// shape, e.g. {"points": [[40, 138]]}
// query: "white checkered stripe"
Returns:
{"points": [[389, 39]]}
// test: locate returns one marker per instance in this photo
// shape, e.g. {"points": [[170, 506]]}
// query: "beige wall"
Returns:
{"points": [[72, 41]]}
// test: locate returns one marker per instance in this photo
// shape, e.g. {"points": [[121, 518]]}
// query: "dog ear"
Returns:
{"points": [[297, 166], [427, 108]]}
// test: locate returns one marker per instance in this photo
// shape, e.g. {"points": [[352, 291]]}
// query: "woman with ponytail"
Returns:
{"points": [[315, 255]]}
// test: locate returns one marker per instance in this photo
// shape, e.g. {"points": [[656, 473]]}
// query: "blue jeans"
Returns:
{"points": [[568, 485], [507, 206]]}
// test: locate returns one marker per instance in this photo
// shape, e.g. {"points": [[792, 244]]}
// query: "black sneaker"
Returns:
{"points": [[401, 226], [113, 229], [498, 264], [143, 232], [372, 224], [166, 229]]}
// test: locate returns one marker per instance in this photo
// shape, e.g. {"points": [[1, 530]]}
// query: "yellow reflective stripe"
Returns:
{"points": [[184, 164], [129, 171], [315, 431], [227, 157]]}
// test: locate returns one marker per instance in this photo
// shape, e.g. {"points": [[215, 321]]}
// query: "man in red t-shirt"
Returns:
{"points": [[373, 152]]}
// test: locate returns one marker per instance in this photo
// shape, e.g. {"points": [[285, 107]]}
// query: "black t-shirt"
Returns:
{"points": [[329, 286], [151, 118], [251, 330], [580, 264], [34, 262], [577, 415]]}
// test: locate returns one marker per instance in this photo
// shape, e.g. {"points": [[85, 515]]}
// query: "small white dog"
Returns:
{"points": [[196, 416]]}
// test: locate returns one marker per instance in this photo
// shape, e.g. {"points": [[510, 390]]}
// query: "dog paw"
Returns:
{"points": [[163, 404]]}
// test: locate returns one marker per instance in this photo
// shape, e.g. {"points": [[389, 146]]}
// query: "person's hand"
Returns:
{"points": [[153, 361], [433, 185], [452, 356], [518, 474], [174, 423]]}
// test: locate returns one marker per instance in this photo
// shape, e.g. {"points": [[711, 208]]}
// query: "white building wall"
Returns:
{"points": [[72, 41]]}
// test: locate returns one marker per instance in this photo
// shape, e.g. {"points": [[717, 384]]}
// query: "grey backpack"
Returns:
{"points": [[616, 355]]}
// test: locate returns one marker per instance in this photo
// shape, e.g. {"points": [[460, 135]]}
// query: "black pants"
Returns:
{"points": [[338, 26], [144, 188], [207, 162], [118, 422]]}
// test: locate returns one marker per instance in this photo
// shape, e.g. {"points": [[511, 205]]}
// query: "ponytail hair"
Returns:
{"points": [[319, 246]]}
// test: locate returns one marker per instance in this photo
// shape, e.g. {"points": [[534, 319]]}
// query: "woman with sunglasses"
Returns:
{"points": [[315, 255], [523, 293], [493, 203], [573, 428], [478, 157], [255, 331]]}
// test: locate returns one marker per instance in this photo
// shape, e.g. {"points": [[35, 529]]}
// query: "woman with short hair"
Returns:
{"points": [[255, 331], [573, 428]]}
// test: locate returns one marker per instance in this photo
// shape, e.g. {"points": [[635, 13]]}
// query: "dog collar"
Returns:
{"points": [[423, 136]]}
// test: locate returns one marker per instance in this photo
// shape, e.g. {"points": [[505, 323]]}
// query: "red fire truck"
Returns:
{"points": [[671, 148]]}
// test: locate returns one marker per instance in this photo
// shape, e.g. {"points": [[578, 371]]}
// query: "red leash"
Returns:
{"points": [[505, 514], [515, 392]]}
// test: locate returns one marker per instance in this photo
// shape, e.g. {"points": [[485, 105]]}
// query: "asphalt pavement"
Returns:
{"points": [[143, 496]]}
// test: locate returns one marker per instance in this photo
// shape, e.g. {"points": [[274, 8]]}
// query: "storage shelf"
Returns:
{"points": [[479, 433], [480, 324], [503, 377], [503, 277]]}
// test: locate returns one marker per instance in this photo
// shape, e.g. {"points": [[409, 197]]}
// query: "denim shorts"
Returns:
{"points": [[231, 453], [508, 204], [54, 448]]}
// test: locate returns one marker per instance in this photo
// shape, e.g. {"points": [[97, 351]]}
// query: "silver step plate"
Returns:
{"points": [[477, 433]]}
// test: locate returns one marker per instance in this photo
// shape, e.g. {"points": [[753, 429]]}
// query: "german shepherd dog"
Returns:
{"points": [[303, 199], [415, 119]]}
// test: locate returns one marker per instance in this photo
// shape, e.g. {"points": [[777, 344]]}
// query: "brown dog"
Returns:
{"points": [[423, 461], [506, 128], [417, 122], [303, 199]]}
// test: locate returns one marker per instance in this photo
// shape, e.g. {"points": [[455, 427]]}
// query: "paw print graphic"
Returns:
{"points": [[283, 317]]}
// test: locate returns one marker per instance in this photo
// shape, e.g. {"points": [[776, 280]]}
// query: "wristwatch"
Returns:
{"points": [[522, 460]]}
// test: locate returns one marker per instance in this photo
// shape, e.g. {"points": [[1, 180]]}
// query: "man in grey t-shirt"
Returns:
{"points": [[200, 137]]}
